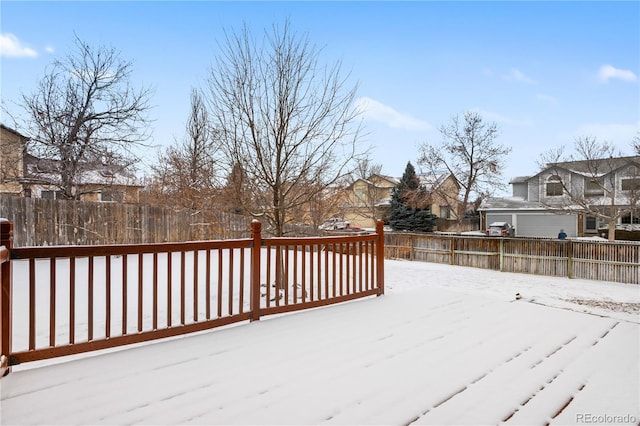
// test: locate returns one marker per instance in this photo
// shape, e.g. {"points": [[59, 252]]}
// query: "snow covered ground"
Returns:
{"points": [[445, 345]]}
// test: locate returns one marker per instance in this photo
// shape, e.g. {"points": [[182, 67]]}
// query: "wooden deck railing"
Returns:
{"points": [[65, 300]]}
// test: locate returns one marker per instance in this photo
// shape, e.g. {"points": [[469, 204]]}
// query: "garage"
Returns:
{"points": [[536, 223], [545, 224]]}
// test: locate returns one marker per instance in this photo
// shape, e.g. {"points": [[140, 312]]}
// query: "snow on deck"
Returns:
{"points": [[445, 345]]}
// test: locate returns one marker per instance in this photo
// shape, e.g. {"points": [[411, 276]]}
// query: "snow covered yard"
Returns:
{"points": [[445, 345]]}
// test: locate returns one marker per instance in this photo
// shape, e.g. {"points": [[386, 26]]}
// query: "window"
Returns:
{"points": [[554, 186], [594, 187], [110, 196], [630, 219], [591, 223], [51, 195], [445, 212], [631, 184]]}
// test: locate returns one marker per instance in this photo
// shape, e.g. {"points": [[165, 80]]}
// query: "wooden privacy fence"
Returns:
{"points": [[59, 301], [593, 260], [40, 222]]}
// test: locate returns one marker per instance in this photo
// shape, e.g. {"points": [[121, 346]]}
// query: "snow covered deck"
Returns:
{"points": [[445, 345]]}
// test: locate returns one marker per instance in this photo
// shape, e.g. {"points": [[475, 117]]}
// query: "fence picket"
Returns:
{"points": [[595, 260]]}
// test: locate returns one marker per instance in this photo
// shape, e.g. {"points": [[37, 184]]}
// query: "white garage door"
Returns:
{"points": [[545, 225]]}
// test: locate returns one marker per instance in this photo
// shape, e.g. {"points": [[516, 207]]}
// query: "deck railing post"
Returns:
{"points": [[6, 244], [380, 256], [256, 229]]}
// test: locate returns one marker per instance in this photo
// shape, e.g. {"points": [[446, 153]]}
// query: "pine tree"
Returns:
{"points": [[406, 215], [409, 182]]}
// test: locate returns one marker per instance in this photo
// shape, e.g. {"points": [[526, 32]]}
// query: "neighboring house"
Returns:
{"points": [[12, 167], [29, 176], [444, 195], [368, 200], [568, 196]]}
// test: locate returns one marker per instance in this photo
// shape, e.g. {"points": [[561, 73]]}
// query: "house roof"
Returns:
{"points": [[594, 168], [39, 169], [391, 179], [519, 203], [370, 181], [588, 168], [510, 203], [604, 165], [430, 181], [15, 132], [519, 179], [433, 181]]}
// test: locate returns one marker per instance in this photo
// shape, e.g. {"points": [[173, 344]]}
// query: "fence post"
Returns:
{"points": [[6, 244], [256, 229], [452, 250], [380, 256], [412, 246], [570, 259]]}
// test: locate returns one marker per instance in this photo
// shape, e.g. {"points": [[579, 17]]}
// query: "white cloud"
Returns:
{"points": [[515, 74], [11, 46], [546, 98], [377, 111], [608, 72], [49, 49]]}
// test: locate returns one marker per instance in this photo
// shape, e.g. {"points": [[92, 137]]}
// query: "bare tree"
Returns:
{"points": [[186, 173], [636, 143], [468, 152], [284, 118], [235, 194], [327, 202], [85, 111], [595, 180]]}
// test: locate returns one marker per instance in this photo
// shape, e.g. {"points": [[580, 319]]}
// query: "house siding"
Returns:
{"points": [[520, 190], [534, 191], [533, 213], [12, 146], [20, 175]]}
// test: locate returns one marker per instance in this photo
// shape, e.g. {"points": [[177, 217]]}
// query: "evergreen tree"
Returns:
{"points": [[424, 220], [406, 215], [409, 182], [399, 217]]}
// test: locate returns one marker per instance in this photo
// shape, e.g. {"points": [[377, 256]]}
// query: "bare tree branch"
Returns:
{"points": [[469, 152], [187, 173], [288, 122], [589, 182], [83, 111]]}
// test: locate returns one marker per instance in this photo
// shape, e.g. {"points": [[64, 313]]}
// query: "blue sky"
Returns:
{"points": [[545, 72]]}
